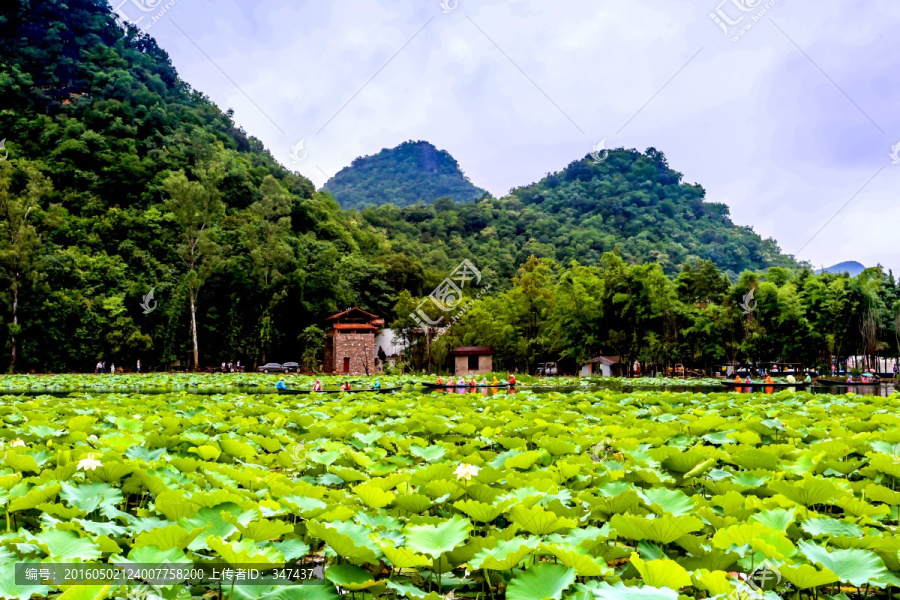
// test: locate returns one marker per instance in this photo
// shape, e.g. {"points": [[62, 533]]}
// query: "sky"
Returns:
{"points": [[783, 110]]}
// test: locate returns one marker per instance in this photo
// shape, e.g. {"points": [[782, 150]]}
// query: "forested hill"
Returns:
{"points": [[115, 164], [409, 173], [631, 202]]}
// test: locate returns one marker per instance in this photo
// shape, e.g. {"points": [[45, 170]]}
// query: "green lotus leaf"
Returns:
{"points": [[541, 582], [663, 501], [715, 582], [301, 592], [523, 461], [831, 527], [207, 452], [245, 552], [172, 536], [805, 577], [539, 521], [577, 558], [351, 577], [373, 496], [403, 558], [503, 556], [67, 545], [808, 492], [292, 549], [350, 544], [857, 567], [34, 497], [151, 555], [481, 511], [175, 505], [21, 462], [662, 530], [879, 493], [414, 503], [212, 518], [778, 519], [412, 592], [262, 530], [434, 540], [430, 453], [237, 448], [661, 573]]}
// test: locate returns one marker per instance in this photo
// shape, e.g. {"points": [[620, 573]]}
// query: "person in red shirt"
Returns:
{"points": [[511, 380]]}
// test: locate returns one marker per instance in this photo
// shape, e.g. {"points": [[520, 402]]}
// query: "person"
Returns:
{"points": [[237, 367], [460, 381], [808, 378], [139, 365], [112, 369], [738, 379], [896, 370], [512, 380], [97, 368], [769, 379], [749, 379], [850, 379], [791, 379], [377, 385], [495, 382], [281, 385], [473, 382], [484, 381], [440, 380], [346, 386], [317, 387], [223, 366]]}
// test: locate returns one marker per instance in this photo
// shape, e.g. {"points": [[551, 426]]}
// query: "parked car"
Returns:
{"points": [[547, 369], [271, 368], [292, 366]]}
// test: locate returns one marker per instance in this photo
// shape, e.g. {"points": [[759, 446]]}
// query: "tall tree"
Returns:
{"points": [[21, 191], [266, 233], [196, 208]]}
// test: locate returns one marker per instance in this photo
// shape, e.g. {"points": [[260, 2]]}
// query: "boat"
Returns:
{"points": [[384, 390], [453, 386], [840, 381], [777, 384]]}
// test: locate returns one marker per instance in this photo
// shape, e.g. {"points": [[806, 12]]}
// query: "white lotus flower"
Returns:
{"points": [[16, 443], [467, 472], [89, 464]]}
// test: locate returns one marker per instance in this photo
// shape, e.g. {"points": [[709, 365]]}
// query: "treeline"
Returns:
{"points": [[700, 319]]}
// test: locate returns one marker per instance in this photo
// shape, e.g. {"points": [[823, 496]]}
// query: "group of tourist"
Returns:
{"points": [[231, 367], [461, 381]]}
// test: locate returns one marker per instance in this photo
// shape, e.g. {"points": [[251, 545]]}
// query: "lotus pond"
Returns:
{"points": [[579, 495]]}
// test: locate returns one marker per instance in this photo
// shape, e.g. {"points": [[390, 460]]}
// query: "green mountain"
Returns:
{"points": [[851, 267], [632, 203], [406, 174]]}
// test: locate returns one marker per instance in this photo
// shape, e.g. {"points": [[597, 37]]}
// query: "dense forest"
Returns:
{"points": [[570, 313], [121, 180], [407, 174]]}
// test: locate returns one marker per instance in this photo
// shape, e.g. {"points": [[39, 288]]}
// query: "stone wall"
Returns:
{"points": [[485, 365], [359, 348]]}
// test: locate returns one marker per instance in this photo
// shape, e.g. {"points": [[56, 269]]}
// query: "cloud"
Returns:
{"points": [[515, 89]]}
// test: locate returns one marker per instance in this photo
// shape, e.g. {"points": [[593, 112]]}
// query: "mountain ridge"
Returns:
{"points": [[412, 171]]}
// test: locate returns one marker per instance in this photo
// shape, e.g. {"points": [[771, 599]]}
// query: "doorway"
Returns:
{"points": [[346, 364]]}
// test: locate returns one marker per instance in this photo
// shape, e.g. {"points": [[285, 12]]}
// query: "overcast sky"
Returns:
{"points": [[788, 124]]}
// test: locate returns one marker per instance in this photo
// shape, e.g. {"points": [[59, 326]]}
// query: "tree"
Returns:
{"points": [[20, 195], [266, 233], [312, 340], [196, 208]]}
